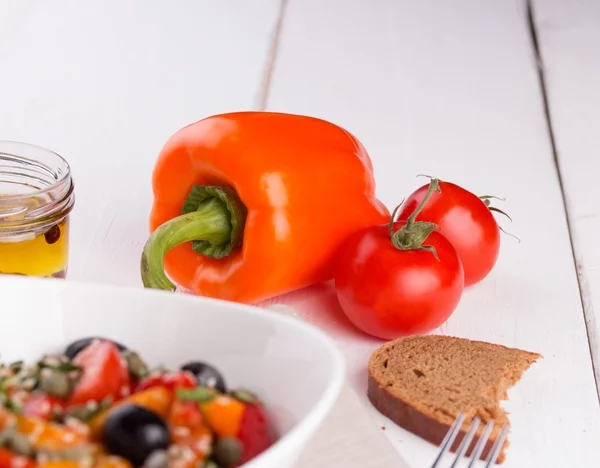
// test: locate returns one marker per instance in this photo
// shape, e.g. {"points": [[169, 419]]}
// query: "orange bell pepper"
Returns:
{"points": [[251, 205]]}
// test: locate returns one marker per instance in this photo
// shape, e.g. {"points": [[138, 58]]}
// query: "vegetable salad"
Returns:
{"points": [[99, 405]]}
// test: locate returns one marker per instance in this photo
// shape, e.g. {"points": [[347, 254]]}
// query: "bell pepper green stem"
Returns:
{"points": [[213, 219]]}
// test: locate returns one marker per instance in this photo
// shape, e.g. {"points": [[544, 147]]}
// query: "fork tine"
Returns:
{"points": [[464, 445], [449, 438], [481, 443], [497, 448]]}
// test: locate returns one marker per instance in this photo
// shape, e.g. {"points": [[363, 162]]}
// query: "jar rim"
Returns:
{"points": [[65, 167]]}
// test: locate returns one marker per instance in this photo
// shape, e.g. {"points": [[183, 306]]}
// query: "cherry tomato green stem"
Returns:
{"points": [[465, 220]]}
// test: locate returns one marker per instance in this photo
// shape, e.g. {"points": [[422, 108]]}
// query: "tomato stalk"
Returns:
{"points": [[412, 235], [486, 199]]}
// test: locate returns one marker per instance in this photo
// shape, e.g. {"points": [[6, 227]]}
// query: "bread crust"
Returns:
{"points": [[408, 417]]}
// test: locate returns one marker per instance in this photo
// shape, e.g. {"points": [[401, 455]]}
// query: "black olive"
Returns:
{"points": [[77, 346], [206, 375], [134, 432], [52, 235]]}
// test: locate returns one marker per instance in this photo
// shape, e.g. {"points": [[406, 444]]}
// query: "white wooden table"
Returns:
{"points": [[447, 88]]}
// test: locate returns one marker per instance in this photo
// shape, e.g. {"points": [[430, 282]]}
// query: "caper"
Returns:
{"points": [[6, 435], [105, 403], [47, 454], [55, 383], [13, 406], [207, 464], [137, 367], [244, 396], [16, 367], [7, 382], [20, 444], [57, 413], [29, 383], [81, 412], [228, 451], [77, 452]]}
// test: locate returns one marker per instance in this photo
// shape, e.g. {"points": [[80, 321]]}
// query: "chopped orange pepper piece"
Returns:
{"points": [[224, 415], [50, 435], [157, 399], [60, 464], [107, 461], [112, 462]]}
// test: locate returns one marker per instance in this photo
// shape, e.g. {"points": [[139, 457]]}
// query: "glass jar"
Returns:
{"points": [[36, 197]]}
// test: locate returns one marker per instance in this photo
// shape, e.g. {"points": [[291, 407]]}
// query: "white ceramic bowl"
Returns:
{"points": [[295, 368]]}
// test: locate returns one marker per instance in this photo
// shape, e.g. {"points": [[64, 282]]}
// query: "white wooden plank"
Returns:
{"points": [[569, 37], [450, 89], [106, 83]]}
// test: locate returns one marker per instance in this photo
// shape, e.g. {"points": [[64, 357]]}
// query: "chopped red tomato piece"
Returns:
{"points": [[255, 434], [185, 414], [43, 406], [170, 380], [104, 374], [12, 460]]}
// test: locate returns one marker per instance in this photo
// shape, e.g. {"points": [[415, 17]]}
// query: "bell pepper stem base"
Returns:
{"points": [[211, 223]]}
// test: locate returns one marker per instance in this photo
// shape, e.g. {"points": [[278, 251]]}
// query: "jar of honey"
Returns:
{"points": [[36, 197]]}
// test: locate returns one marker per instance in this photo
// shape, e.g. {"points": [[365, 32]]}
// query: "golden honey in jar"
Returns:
{"points": [[36, 197]]}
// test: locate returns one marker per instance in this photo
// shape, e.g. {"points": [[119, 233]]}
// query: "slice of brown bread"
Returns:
{"points": [[423, 382]]}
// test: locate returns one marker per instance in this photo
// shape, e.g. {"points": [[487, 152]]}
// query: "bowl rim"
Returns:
{"points": [[308, 424]]}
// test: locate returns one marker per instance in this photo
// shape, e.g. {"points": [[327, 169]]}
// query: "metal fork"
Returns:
{"points": [[466, 442]]}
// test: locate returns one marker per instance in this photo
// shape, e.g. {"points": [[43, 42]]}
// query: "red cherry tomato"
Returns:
{"points": [[104, 374], [464, 220], [170, 380], [43, 406], [388, 293]]}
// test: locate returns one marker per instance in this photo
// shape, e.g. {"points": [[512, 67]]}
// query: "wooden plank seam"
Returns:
{"points": [[588, 315], [263, 97]]}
